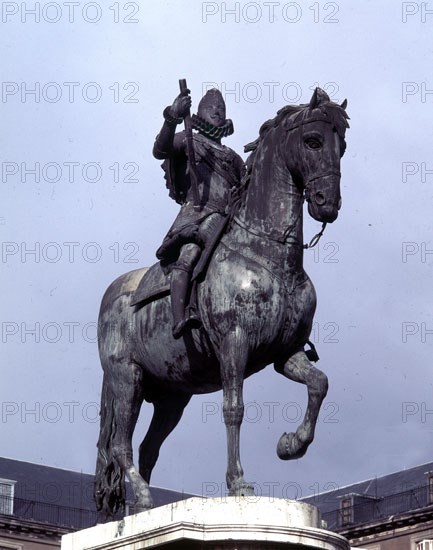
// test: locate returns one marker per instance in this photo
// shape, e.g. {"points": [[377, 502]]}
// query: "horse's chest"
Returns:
{"points": [[289, 318], [243, 293], [301, 304]]}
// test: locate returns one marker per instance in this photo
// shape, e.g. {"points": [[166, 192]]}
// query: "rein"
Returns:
{"points": [[316, 238]]}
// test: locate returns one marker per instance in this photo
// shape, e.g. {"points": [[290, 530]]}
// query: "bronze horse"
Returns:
{"points": [[256, 304]]}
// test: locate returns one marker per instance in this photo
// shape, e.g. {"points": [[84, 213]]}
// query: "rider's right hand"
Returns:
{"points": [[181, 106]]}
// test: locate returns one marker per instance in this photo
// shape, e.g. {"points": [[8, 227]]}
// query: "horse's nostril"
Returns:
{"points": [[320, 198]]}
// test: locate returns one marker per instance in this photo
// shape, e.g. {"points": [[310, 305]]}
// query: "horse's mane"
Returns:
{"points": [[293, 115]]}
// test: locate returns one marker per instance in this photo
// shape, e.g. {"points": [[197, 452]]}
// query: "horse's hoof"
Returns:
{"points": [[289, 447], [143, 506], [243, 489], [143, 501], [138, 509]]}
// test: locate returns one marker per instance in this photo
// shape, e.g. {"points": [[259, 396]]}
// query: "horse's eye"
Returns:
{"points": [[313, 143]]}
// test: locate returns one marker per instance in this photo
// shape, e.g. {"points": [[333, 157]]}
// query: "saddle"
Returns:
{"points": [[155, 283]]}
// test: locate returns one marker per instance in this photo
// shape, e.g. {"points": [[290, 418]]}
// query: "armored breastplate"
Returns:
{"points": [[218, 171], [218, 168]]}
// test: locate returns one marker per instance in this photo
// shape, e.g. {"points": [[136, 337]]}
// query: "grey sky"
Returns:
{"points": [[374, 298]]}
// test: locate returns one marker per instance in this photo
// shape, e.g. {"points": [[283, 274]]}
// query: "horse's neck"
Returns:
{"points": [[272, 206]]}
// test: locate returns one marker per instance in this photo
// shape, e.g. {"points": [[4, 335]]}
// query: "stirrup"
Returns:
{"points": [[189, 322]]}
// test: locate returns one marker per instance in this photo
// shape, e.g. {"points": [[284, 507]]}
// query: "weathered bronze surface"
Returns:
{"points": [[255, 303]]}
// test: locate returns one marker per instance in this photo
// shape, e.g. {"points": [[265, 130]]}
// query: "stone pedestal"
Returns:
{"points": [[235, 523]]}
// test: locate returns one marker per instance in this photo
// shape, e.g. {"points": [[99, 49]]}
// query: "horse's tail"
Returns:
{"points": [[109, 478]]}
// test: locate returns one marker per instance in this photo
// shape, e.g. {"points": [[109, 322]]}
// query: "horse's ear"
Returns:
{"points": [[313, 100], [344, 104], [319, 96]]}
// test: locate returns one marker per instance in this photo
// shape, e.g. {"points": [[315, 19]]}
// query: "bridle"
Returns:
{"points": [[307, 191]]}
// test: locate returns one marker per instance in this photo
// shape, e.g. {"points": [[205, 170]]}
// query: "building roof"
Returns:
{"points": [[46, 484], [379, 487]]}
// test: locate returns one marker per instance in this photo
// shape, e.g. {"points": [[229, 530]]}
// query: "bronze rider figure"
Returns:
{"points": [[219, 171]]}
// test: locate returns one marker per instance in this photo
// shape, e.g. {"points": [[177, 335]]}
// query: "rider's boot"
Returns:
{"points": [[182, 321]]}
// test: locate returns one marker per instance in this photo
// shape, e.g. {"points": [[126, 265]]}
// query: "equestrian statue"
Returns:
{"points": [[229, 295]]}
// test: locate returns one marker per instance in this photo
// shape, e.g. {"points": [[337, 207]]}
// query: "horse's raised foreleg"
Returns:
{"points": [[166, 415], [233, 358], [299, 369]]}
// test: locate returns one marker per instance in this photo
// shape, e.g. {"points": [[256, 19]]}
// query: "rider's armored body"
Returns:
{"points": [[219, 171]]}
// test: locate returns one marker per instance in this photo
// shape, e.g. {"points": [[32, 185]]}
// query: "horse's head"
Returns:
{"points": [[313, 149]]}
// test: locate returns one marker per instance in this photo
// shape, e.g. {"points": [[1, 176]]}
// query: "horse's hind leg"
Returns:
{"points": [[166, 415], [299, 369], [122, 401]]}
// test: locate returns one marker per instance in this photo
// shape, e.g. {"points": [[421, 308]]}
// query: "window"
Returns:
{"points": [[425, 545], [346, 511], [430, 489], [6, 496]]}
